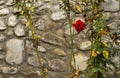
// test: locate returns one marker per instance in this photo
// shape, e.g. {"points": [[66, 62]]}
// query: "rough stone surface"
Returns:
{"points": [[57, 65], [9, 2], [12, 21], [38, 3], [2, 37], [53, 39], [84, 45], [113, 25], [4, 11], [81, 61], [50, 22], [32, 60], [19, 30], [40, 24], [2, 2], [41, 49], [67, 32], [58, 16], [111, 5], [2, 25], [15, 49], [59, 52], [2, 56], [8, 70], [10, 32]]}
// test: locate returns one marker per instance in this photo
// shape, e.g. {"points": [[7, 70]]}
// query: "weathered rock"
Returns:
{"points": [[86, 45], [116, 60], [5, 70], [2, 46], [9, 2], [68, 41], [60, 32], [41, 49], [27, 70], [52, 39], [107, 15], [38, 3], [10, 32], [112, 25], [8, 70], [15, 49], [56, 75], [4, 11], [55, 8], [15, 9], [44, 9], [56, 16], [67, 32], [81, 61], [111, 5], [47, 0], [33, 60], [2, 38], [19, 30], [40, 24], [12, 21], [22, 19], [2, 56], [57, 65], [2, 2], [2, 25], [59, 52], [49, 24], [1, 76]]}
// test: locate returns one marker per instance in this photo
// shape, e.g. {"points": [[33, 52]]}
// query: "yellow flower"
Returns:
{"points": [[38, 37], [105, 44], [106, 54], [78, 8], [98, 52], [93, 53], [102, 31], [33, 32], [22, 12]]}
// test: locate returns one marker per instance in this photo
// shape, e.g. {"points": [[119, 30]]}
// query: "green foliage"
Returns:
{"points": [[101, 52]]}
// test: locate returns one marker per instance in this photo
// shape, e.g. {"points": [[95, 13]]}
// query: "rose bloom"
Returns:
{"points": [[79, 25]]}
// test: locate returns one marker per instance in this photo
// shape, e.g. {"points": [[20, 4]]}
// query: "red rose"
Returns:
{"points": [[79, 25]]}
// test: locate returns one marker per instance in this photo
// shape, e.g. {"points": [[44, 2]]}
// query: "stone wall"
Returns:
{"points": [[17, 55]]}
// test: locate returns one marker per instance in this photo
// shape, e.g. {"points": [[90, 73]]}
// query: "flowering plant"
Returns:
{"points": [[79, 25]]}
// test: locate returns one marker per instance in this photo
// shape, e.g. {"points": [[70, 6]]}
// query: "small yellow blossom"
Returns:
{"points": [[22, 12], [102, 31], [33, 32], [98, 52], [105, 44], [78, 8], [38, 37], [93, 53], [106, 54]]}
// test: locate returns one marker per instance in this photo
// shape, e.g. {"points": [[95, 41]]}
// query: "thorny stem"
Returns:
{"points": [[72, 57], [35, 43]]}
